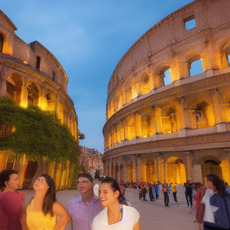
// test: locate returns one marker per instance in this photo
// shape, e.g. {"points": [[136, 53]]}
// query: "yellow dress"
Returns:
{"points": [[37, 221]]}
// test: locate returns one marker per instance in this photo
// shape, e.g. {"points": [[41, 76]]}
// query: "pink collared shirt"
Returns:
{"points": [[82, 213]]}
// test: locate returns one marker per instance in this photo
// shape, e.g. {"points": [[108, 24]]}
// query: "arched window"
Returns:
{"points": [[196, 67], [167, 77], [1, 43]]}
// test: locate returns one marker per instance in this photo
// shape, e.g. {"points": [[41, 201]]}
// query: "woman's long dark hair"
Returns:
{"points": [[217, 183], [115, 187], [50, 196], [5, 176]]}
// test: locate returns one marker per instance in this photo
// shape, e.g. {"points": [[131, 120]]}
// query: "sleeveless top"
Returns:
{"points": [[36, 220]]}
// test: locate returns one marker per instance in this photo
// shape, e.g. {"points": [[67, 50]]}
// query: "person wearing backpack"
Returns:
{"points": [[220, 204]]}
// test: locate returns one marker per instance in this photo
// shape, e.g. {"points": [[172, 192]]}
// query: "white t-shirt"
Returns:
{"points": [[209, 209], [130, 217]]}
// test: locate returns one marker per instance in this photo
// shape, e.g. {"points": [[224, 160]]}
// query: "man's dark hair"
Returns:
{"points": [[87, 175]]}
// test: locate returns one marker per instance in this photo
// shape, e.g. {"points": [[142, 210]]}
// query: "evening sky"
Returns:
{"points": [[88, 37]]}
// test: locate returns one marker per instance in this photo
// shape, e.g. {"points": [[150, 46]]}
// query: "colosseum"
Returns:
{"points": [[30, 73], [165, 122]]}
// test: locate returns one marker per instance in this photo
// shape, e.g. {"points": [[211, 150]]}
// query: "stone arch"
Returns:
{"points": [[4, 44], [120, 132], [144, 84], [226, 51], [128, 91], [31, 168], [211, 164], [131, 127], [51, 101], [175, 170], [33, 93], [201, 114], [150, 171], [146, 124], [193, 59], [169, 120], [14, 87], [61, 111], [163, 79], [226, 107]]}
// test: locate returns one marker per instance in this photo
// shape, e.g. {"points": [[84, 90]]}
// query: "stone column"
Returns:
{"points": [[197, 172], [163, 172], [119, 170], [157, 119], [150, 74], [3, 85], [157, 164], [125, 130], [57, 106], [24, 94], [124, 170], [228, 158], [185, 118], [138, 124], [188, 164], [217, 109], [183, 69], [43, 99], [138, 169]]}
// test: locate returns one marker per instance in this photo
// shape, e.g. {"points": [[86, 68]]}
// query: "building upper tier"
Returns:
{"points": [[33, 55], [200, 31]]}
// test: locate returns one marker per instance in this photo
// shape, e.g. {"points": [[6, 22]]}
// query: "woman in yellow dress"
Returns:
{"points": [[43, 208]]}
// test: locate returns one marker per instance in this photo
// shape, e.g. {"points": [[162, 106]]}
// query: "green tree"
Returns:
{"points": [[35, 133]]}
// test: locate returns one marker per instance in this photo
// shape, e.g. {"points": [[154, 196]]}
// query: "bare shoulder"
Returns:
{"points": [[59, 209]]}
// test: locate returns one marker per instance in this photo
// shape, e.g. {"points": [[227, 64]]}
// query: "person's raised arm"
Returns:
{"points": [[64, 217]]}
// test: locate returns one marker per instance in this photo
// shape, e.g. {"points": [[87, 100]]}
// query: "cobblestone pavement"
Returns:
{"points": [[154, 215]]}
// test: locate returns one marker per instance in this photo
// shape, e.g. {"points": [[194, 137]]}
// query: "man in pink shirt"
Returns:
{"points": [[85, 207]]}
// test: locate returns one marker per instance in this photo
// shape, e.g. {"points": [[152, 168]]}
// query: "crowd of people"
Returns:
{"points": [[102, 205]]}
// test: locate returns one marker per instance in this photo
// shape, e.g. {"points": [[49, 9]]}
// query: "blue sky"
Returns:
{"points": [[88, 37]]}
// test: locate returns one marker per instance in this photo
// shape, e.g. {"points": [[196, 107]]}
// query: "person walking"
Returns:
{"points": [[174, 191], [86, 206], [43, 208], [200, 192], [188, 192], [116, 214], [165, 191], [12, 202]]}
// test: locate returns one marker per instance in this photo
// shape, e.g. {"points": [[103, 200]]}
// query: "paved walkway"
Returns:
{"points": [[154, 215]]}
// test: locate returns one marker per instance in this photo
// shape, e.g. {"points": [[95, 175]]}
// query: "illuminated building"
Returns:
{"points": [[29, 73], [163, 121], [91, 161]]}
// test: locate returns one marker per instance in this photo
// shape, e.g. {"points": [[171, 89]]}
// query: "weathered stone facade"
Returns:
{"points": [[29, 73], [91, 161], [180, 129]]}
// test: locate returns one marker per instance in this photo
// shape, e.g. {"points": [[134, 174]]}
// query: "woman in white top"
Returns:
{"points": [[116, 215]]}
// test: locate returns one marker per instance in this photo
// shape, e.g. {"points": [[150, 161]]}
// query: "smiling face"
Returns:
{"points": [[84, 185], [13, 183], [40, 184], [107, 195]]}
